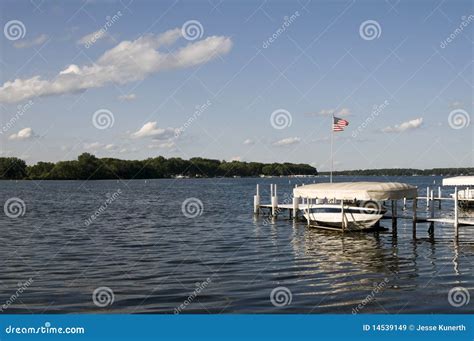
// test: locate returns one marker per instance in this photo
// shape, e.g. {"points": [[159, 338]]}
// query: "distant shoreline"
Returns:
{"points": [[405, 172], [89, 167]]}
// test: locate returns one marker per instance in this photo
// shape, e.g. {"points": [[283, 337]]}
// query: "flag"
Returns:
{"points": [[338, 124]]}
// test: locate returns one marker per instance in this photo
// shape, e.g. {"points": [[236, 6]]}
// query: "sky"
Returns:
{"points": [[239, 80]]}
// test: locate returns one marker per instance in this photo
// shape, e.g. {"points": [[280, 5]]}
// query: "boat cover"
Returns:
{"points": [[459, 181], [366, 190]]}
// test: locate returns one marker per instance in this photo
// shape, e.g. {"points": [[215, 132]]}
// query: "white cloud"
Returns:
{"points": [[249, 142], [128, 97], [93, 146], [287, 142], [24, 134], [151, 129], [127, 62], [408, 125], [327, 112], [41, 39], [93, 37], [163, 145]]}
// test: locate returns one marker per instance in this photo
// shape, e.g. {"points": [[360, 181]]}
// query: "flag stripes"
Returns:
{"points": [[338, 124]]}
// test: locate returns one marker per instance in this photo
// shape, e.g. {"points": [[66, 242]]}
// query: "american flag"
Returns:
{"points": [[338, 124]]}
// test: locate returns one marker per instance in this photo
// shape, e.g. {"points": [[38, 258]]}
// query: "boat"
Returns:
{"points": [[465, 196], [350, 205], [356, 218]]}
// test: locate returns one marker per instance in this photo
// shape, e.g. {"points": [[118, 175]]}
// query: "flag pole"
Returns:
{"points": [[332, 139]]}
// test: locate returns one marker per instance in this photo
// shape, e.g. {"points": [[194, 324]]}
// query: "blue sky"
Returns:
{"points": [[211, 92]]}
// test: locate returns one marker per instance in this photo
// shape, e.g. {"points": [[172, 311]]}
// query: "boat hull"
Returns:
{"points": [[355, 218], [354, 222]]}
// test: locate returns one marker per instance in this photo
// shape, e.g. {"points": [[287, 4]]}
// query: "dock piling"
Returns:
{"points": [[343, 216], [439, 196], [307, 211], [427, 198], [456, 214], [414, 217], [432, 213], [274, 200], [295, 207], [256, 201], [394, 214]]}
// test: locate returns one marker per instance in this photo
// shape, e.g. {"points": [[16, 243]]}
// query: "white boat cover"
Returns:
{"points": [[459, 181], [377, 191]]}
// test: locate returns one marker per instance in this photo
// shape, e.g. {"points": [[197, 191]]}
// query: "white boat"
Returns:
{"points": [[355, 218], [350, 205]]}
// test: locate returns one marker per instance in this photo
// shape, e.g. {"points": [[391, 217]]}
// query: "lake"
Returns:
{"points": [[126, 247]]}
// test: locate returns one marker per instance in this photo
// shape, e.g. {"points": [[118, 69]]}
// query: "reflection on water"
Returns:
{"points": [[153, 257]]}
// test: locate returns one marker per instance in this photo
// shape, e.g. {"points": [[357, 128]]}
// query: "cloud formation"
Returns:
{"points": [[287, 142], [24, 134], [150, 129], [327, 112], [128, 97], [93, 37], [30, 43], [408, 125], [127, 62]]}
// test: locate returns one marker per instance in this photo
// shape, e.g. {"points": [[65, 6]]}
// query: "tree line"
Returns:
{"points": [[405, 172], [88, 166]]}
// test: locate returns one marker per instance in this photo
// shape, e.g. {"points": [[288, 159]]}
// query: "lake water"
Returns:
{"points": [[153, 259]]}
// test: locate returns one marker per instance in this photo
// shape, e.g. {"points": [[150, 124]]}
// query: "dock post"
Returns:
{"points": [[439, 196], [432, 208], [427, 198], [414, 216], [295, 207], [274, 206], [256, 202], [307, 211], [456, 213], [394, 215], [343, 216]]}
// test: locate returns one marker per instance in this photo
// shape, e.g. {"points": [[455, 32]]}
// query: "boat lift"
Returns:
{"points": [[461, 198]]}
